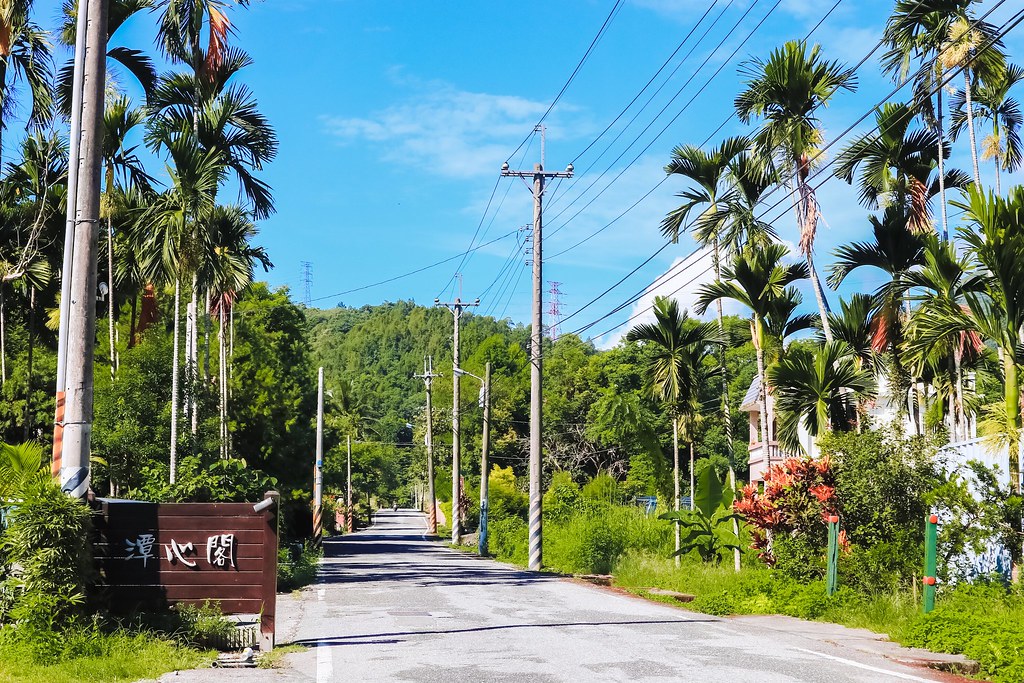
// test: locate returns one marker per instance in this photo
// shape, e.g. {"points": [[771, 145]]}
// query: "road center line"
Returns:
{"points": [[867, 667]]}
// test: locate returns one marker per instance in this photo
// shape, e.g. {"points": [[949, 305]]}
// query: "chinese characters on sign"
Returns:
{"points": [[141, 548], [220, 551]]}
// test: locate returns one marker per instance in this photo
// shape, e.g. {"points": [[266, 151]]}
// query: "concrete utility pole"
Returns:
{"points": [[456, 308], [318, 467], [482, 545], [539, 175], [428, 377], [73, 423], [349, 526], [74, 155]]}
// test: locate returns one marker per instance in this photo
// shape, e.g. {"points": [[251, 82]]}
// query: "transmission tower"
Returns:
{"points": [[307, 283], [554, 309]]}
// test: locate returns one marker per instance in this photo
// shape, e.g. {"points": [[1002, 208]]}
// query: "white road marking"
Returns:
{"points": [[324, 665], [867, 667]]}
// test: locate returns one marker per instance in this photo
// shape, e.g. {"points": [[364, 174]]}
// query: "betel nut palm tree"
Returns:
{"points": [[678, 349], [756, 279], [992, 102], [819, 389], [917, 39], [897, 166], [785, 92], [994, 235]]}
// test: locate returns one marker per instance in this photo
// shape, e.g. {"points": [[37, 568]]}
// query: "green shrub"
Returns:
{"points": [[47, 541], [297, 569], [202, 625], [592, 543], [601, 490], [563, 499], [504, 499], [509, 539], [985, 622]]}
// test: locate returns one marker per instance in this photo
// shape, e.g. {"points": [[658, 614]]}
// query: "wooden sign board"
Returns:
{"points": [[154, 555]]}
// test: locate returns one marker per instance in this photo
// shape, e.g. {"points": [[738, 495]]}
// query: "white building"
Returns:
{"points": [[881, 411]]}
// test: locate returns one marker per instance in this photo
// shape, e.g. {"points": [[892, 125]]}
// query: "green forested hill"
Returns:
{"points": [[599, 415]]}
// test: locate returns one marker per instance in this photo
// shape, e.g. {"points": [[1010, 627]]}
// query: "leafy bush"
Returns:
{"points": [[202, 625], [47, 557], [707, 529], [601, 490], [798, 496], [592, 543], [984, 622], [509, 539], [563, 499], [200, 480], [297, 569], [504, 499]]}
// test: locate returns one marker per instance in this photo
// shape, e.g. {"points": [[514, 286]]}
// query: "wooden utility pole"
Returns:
{"points": [[73, 428], [318, 466], [456, 308], [539, 176], [349, 525], [482, 544], [427, 377]]}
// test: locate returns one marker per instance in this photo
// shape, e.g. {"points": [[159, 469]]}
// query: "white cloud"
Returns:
{"points": [[453, 132]]}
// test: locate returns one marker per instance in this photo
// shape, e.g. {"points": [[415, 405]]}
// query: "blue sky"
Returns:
{"points": [[394, 119]]}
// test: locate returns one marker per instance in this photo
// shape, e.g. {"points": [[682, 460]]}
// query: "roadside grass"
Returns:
{"points": [[88, 656], [275, 658], [722, 591]]}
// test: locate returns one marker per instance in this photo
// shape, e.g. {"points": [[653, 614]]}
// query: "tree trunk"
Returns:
{"points": [[970, 127], [3, 339], [206, 337], [763, 397], [819, 295], [131, 321], [693, 483], [942, 172], [193, 360], [726, 409], [110, 291], [958, 369], [1013, 421], [231, 360], [31, 350], [222, 377], [675, 482], [174, 383]]}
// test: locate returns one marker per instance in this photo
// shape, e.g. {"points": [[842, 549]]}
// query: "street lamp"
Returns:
{"points": [[485, 401]]}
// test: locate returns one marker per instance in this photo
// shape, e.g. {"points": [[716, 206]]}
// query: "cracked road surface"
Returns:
{"points": [[392, 606]]}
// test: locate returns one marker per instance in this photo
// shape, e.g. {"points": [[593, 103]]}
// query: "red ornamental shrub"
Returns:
{"points": [[798, 498]]}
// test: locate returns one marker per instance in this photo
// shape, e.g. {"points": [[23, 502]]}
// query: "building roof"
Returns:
{"points": [[752, 399]]}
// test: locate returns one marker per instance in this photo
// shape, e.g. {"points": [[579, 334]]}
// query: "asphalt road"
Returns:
{"points": [[392, 606]]}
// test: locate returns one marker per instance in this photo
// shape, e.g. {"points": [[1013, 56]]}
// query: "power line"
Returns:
{"points": [[572, 76], [412, 272], [664, 109], [1015, 20]]}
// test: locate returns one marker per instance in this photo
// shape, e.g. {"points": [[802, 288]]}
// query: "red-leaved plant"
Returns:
{"points": [[798, 498]]}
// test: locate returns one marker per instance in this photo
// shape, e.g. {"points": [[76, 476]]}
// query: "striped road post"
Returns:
{"points": [[318, 468]]}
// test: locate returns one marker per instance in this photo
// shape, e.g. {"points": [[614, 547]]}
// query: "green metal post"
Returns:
{"points": [[832, 577], [931, 534]]}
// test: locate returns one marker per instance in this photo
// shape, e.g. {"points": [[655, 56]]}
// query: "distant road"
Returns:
{"points": [[391, 606]]}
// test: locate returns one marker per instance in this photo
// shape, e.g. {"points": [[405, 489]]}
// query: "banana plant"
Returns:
{"points": [[707, 528]]}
